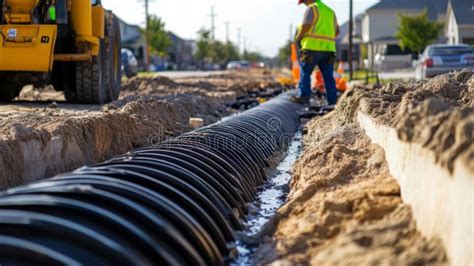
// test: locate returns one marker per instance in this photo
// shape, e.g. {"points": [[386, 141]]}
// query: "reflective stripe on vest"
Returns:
{"points": [[322, 36]]}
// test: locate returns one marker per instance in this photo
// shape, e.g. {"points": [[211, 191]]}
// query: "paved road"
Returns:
{"points": [[26, 107], [188, 74], [403, 75]]}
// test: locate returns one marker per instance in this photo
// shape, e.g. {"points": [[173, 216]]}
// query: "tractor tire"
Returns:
{"points": [[113, 60], [9, 89], [63, 79], [90, 80]]}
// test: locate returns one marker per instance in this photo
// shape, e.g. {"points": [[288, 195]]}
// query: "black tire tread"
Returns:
{"points": [[9, 89], [112, 38], [89, 86]]}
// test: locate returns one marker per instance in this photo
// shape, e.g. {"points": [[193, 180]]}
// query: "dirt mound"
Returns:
{"points": [[344, 207], [391, 103], [240, 83], [62, 140], [437, 113], [30, 93], [146, 83], [40, 140]]}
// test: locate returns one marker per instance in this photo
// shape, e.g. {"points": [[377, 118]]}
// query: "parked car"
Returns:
{"points": [[129, 63], [238, 65], [244, 64], [393, 57], [234, 65], [441, 58]]}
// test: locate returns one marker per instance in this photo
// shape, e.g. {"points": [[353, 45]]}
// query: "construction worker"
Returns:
{"points": [[317, 42]]}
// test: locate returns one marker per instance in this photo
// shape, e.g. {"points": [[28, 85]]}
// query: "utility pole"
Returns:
{"points": [[213, 16], [291, 33], [147, 36], [351, 39], [245, 43], [239, 38], [227, 31]]}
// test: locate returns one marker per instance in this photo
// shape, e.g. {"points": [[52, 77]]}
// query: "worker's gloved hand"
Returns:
{"points": [[298, 45], [332, 59], [306, 57]]}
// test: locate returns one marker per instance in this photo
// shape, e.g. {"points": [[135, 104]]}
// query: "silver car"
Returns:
{"points": [[442, 58], [129, 63]]}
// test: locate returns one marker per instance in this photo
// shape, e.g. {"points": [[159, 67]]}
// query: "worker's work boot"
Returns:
{"points": [[300, 100]]}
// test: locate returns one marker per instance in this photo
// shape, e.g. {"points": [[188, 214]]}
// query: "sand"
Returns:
{"points": [[42, 139], [344, 207]]}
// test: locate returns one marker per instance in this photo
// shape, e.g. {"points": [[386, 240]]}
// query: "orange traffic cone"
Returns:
{"points": [[340, 69], [294, 64], [341, 83], [319, 82]]}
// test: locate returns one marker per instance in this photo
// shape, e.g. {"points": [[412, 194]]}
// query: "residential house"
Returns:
{"points": [[342, 41], [133, 39], [459, 27], [179, 57], [181, 53], [381, 21]]}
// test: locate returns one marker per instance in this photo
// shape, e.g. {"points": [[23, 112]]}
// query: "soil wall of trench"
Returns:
{"points": [[38, 142], [385, 179]]}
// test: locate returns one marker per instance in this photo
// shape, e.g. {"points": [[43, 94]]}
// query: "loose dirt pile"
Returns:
{"points": [[438, 113], [41, 140], [344, 207]]}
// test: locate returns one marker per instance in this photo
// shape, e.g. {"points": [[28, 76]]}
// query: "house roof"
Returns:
{"points": [[463, 11], [434, 7], [344, 28]]}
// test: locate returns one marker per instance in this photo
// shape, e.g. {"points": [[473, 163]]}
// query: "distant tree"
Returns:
{"points": [[231, 51], [284, 54], [417, 32], [224, 52], [204, 46], [218, 52], [160, 41], [214, 51], [252, 56]]}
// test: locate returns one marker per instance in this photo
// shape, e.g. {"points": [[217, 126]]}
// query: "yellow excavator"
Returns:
{"points": [[72, 44]]}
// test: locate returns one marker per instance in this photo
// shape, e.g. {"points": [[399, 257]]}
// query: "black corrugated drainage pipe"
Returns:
{"points": [[178, 202]]}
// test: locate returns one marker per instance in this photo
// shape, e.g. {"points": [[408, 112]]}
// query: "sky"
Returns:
{"points": [[264, 24]]}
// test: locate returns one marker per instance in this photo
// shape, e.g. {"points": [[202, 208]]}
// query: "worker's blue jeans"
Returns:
{"points": [[320, 59]]}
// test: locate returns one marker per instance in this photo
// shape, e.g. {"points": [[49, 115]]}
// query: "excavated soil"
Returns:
{"points": [[344, 207], [437, 113], [40, 140]]}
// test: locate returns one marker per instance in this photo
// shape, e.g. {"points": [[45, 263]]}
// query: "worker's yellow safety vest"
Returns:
{"points": [[322, 36]]}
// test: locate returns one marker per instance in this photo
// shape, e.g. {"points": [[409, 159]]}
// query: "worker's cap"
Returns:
{"points": [[302, 1]]}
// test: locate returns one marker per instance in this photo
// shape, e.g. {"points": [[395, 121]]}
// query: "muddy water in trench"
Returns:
{"points": [[271, 196]]}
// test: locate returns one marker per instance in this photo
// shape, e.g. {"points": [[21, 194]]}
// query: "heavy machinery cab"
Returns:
{"points": [[73, 44]]}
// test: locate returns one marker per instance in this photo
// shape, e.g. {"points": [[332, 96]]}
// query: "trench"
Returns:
{"points": [[177, 202], [270, 197]]}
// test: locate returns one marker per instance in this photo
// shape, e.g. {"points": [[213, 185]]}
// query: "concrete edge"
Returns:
{"points": [[442, 203]]}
